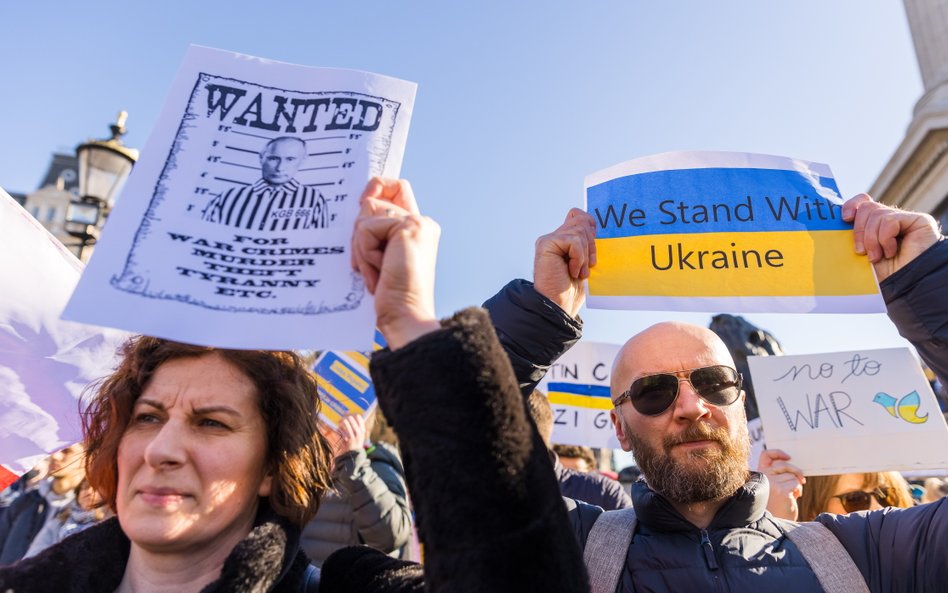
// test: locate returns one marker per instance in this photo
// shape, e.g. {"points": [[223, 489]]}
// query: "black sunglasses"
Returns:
{"points": [[859, 500], [651, 395]]}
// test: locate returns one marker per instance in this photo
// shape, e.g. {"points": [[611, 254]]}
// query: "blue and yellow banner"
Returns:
{"points": [[344, 383], [577, 385], [704, 231]]}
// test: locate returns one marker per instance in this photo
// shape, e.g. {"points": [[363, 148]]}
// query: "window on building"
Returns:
{"points": [[51, 213]]}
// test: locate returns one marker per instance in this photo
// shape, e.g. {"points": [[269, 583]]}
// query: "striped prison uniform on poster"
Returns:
{"points": [[265, 207]]}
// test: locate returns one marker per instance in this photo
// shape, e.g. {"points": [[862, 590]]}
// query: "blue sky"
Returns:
{"points": [[516, 103]]}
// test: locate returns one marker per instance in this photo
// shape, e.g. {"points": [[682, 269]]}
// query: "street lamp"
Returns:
{"points": [[104, 166]]}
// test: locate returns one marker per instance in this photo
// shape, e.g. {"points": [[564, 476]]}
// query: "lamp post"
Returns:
{"points": [[104, 166]]}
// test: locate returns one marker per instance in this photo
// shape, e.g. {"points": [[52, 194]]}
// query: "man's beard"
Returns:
{"points": [[708, 473]]}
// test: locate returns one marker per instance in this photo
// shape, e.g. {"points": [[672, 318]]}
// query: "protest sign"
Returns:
{"points": [[577, 386], [851, 412], [717, 231], [234, 227], [755, 428], [344, 383], [45, 363]]}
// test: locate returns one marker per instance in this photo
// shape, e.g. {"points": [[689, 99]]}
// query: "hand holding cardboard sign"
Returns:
{"points": [[395, 250], [786, 483], [562, 261], [889, 236]]}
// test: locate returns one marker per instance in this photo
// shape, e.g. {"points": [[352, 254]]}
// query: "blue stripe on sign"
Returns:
{"points": [[713, 201], [593, 390], [325, 372]]}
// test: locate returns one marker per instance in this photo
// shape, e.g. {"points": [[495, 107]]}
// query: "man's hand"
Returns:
{"points": [[562, 261], [890, 237], [786, 483], [395, 249]]}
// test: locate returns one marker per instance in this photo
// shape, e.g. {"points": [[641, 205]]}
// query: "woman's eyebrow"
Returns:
{"points": [[217, 409], [150, 402]]}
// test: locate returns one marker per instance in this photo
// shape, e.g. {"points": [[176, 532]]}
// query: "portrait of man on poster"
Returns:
{"points": [[275, 202]]}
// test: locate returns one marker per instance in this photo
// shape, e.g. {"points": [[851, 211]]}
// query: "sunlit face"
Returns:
{"points": [[849, 483], [280, 161], [67, 462], [694, 450], [192, 462]]}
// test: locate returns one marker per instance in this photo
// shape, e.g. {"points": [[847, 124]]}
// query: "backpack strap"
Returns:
{"points": [[310, 580], [606, 549], [832, 564]]}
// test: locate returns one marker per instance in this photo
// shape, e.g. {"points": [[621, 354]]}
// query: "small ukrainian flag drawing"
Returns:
{"points": [[905, 408]]}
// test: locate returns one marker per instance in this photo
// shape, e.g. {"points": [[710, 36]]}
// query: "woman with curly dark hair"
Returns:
{"points": [[211, 461]]}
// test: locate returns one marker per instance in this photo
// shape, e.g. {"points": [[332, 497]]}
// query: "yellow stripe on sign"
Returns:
{"points": [[580, 401], [359, 358], [348, 376], [798, 263], [340, 397]]}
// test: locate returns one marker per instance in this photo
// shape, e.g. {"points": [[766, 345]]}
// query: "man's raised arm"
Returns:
{"points": [[910, 257], [537, 322]]}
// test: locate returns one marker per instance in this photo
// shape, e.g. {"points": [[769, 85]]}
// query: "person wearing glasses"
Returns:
{"points": [[847, 493], [700, 518]]}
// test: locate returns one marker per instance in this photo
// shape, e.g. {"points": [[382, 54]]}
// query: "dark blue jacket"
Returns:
{"points": [[744, 549], [20, 523], [916, 298], [533, 330], [591, 488]]}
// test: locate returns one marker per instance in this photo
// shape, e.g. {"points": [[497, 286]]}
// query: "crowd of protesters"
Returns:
{"points": [[205, 469]]}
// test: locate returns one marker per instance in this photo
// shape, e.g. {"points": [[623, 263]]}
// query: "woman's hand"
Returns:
{"points": [[395, 249], [786, 483]]}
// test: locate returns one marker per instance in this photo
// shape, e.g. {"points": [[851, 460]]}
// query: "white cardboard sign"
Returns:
{"points": [[850, 412], [235, 225], [577, 386]]}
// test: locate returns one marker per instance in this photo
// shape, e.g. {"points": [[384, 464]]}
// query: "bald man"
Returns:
{"points": [[692, 446], [701, 522]]}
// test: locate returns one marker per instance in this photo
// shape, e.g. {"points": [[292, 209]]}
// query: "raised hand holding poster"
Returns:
{"points": [[720, 231], [45, 363], [851, 412], [234, 228]]}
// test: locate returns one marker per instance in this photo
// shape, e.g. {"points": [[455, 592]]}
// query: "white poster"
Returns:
{"points": [[577, 386], [850, 412], [234, 228], [724, 231], [45, 363]]}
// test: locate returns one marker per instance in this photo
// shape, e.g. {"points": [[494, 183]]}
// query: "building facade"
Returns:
{"points": [[916, 177], [59, 187]]}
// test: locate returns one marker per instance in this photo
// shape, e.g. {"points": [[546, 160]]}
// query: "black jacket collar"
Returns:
{"points": [[94, 560], [744, 507]]}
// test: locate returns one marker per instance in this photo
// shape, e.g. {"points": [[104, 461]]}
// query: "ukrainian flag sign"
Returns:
{"points": [[577, 386], [344, 384], [720, 231]]}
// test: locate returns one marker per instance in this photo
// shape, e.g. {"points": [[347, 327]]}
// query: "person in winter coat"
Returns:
{"points": [[211, 461], [368, 503], [486, 500], [701, 519]]}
